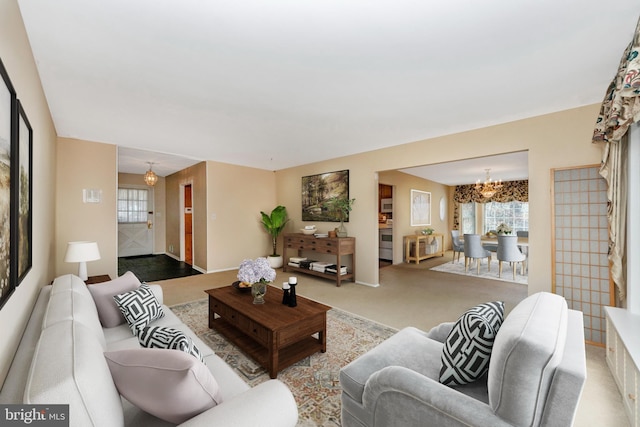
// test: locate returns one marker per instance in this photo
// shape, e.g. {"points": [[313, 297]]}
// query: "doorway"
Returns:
{"points": [[385, 225], [188, 224]]}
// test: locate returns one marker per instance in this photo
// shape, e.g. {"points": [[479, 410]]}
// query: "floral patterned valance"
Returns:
{"points": [[511, 191], [621, 105]]}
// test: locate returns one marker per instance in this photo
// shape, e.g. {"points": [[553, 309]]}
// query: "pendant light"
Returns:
{"points": [[150, 177]]}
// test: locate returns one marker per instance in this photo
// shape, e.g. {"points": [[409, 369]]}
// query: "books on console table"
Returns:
{"points": [[321, 267]]}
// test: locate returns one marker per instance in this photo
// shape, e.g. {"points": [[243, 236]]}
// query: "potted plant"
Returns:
{"points": [[274, 224], [341, 206]]}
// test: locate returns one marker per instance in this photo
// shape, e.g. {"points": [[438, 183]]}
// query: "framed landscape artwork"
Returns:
{"points": [[7, 117], [25, 160], [318, 189], [420, 208]]}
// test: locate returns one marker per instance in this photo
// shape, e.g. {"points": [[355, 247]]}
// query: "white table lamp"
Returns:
{"points": [[82, 252]]}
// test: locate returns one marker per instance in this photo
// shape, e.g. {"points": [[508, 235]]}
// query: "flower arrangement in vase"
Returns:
{"points": [[503, 229], [258, 273]]}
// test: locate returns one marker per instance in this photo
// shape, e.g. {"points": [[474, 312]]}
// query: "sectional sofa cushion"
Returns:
{"points": [[467, 348], [103, 293], [170, 339], [139, 307], [68, 367], [169, 384]]}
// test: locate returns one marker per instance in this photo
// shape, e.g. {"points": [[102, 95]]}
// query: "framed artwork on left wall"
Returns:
{"points": [[24, 191], [7, 147]]}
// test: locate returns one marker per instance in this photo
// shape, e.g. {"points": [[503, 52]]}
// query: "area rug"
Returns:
{"points": [[507, 272], [314, 381]]}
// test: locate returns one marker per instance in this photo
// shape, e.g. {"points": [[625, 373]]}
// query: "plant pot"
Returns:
{"points": [[275, 261]]}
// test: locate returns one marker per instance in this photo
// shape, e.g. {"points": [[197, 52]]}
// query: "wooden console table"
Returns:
{"points": [[336, 246], [426, 238], [273, 334]]}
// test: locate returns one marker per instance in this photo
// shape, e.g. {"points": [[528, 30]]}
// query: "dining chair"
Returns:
{"points": [[523, 249], [457, 244], [473, 250], [508, 251]]}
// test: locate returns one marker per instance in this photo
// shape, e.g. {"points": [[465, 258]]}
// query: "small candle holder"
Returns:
{"points": [[293, 281]]}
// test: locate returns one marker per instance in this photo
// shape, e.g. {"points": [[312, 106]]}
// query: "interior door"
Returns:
{"points": [[188, 225], [135, 221]]}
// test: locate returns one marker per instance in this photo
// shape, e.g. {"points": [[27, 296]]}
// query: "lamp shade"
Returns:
{"points": [[82, 252]]}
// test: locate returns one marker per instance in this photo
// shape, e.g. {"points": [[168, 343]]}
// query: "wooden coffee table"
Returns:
{"points": [[273, 334]]}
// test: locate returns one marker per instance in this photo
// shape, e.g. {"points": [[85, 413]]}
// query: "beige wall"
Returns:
{"points": [[402, 185], [86, 165], [17, 58], [131, 180], [561, 139], [235, 197]]}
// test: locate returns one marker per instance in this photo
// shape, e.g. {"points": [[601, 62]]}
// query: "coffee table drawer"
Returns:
{"points": [[257, 332], [224, 311]]}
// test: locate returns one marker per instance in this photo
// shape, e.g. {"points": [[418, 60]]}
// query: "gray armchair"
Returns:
{"points": [[536, 375], [456, 244], [473, 250]]}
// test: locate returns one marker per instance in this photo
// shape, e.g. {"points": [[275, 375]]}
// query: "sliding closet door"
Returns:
{"points": [[580, 267]]}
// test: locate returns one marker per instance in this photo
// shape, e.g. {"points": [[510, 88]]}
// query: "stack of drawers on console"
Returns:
{"points": [[308, 245]]}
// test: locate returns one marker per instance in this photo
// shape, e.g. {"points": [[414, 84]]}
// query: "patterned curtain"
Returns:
{"points": [[511, 191], [620, 108]]}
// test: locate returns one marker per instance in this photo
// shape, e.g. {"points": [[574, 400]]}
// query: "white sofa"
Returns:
{"points": [[61, 360]]}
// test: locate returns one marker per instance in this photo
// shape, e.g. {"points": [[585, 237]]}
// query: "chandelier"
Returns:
{"points": [[150, 177], [489, 188]]}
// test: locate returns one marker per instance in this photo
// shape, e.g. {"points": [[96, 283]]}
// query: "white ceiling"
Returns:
{"points": [[274, 84], [505, 167]]}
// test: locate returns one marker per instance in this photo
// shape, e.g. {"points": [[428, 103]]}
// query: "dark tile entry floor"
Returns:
{"points": [[149, 268]]}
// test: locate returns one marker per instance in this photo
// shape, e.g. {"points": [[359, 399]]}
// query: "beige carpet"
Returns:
{"points": [[314, 380], [412, 295]]}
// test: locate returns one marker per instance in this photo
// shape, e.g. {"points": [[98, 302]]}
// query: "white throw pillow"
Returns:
{"points": [[168, 384], [103, 293], [139, 307]]}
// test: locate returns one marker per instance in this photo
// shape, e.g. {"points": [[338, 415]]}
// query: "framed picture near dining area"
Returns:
{"points": [[420, 208]]}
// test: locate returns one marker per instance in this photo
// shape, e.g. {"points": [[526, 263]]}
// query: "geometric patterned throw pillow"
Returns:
{"points": [[492, 311], [467, 349], [168, 338], [139, 307]]}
